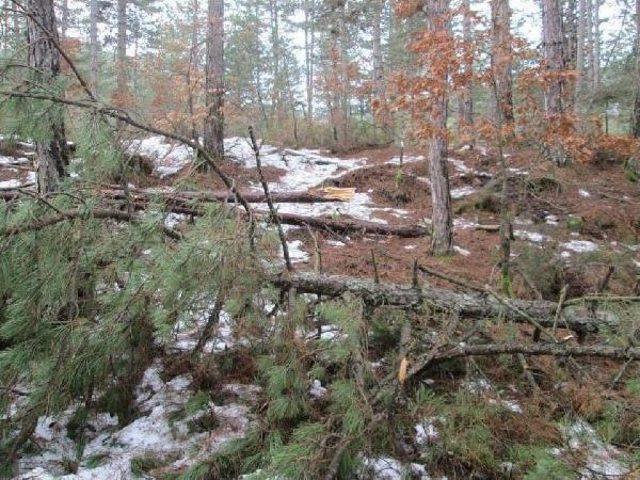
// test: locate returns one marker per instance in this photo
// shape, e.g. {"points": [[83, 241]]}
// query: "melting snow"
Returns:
{"points": [[427, 432], [405, 160], [458, 193], [580, 246], [317, 390], [534, 237], [603, 461], [154, 433], [584, 193], [168, 159]]}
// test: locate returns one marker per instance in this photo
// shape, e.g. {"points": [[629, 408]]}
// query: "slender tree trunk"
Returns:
{"points": [[309, 47], [465, 100], [195, 10], [442, 237], [214, 82], [336, 79], [580, 57], [636, 109], [278, 84], [596, 45], [93, 42], [379, 90], [553, 55], [44, 59], [502, 59], [590, 56], [64, 21], [122, 75], [552, 38]]}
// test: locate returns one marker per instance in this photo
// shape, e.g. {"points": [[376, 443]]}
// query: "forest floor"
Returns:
{"points": [[570, 226]]}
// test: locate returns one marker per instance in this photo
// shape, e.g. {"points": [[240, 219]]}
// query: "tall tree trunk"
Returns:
{"points": [[636, 107], [379, 90], [580, 52], [309, 47], [553, 55], [336, 78], [465, 100], [502, 59], [570, 49], [44, 59], [64, 21], [93, 43], [552, 39], [442, 237], [278, 84], [596, 44], [195, 10], [214, 81], [122, 75]]}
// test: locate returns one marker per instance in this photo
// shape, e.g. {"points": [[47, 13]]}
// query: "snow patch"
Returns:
{"points": [[580, 246]]}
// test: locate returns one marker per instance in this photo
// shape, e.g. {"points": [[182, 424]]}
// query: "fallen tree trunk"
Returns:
{"points": [[474, 305], [556, 350], [347, 226], [146, 195]]}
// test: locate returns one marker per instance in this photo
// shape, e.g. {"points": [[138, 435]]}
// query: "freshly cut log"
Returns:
{"points": [[473, 305]]}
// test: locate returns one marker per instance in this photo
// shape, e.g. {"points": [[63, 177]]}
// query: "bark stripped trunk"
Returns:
{"points": [[93, 42], [44, 59], [214, 82], [636, 108], [442, 237], [502, 58]]}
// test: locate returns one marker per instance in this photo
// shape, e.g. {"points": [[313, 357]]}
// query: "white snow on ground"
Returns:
{"points": [[10, 161], [580, 246], [109, 450], [387, 468], [169, 159], [458, 193], [361, 207], [534, 237], [584, 193], [317, 391], [427, 432], [296, 253], [405, 160], [304, 169], [186, 337], [603, 461]]}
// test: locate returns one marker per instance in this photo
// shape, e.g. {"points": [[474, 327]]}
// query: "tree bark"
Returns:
{"points": [[477, 306], [214, 81], [465, 100], [93, 43], [636, 107], [580, 52], [122, 75], [379, 90], [596, 45], [442, 236], [502, 59], [44, 58], [552, 39], [309, 48]]}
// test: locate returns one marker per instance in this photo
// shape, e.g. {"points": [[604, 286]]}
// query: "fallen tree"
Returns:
{"points": [[474, 305]]}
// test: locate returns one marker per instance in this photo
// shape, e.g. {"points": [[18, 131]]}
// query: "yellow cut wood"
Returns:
{"points": [[341, 194], [402, 372]]}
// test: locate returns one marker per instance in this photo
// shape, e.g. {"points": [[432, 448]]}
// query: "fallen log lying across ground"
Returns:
{"points": [[311, 196], [474, 305], [342, 225]]}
